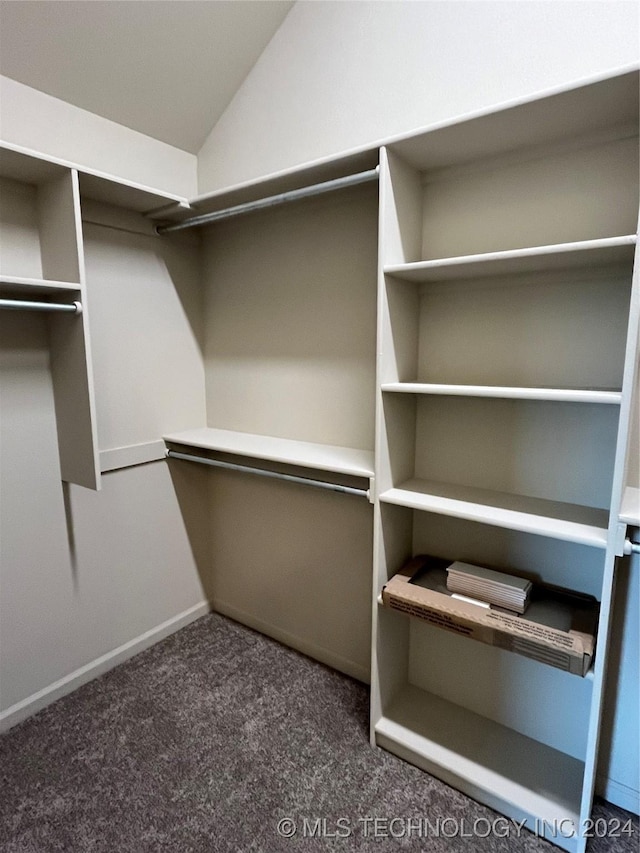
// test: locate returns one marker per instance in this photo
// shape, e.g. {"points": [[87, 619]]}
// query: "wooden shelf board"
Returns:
{"points": [[125, 194], [512, 773], [608, 251], [21, 164], [323, 457], [569, 522], [566, 395], [36, 286], [630, 508]]}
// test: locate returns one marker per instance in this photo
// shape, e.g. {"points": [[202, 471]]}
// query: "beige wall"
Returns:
{"points": [[86, 578], [33, 120], [338, 76]]}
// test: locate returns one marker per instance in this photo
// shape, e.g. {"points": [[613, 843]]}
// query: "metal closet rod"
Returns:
{"points": [[272, 201], [24, 305], [274, 475]]}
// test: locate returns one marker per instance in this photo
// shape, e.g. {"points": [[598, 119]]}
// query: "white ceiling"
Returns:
{"points": [[167, 68]]}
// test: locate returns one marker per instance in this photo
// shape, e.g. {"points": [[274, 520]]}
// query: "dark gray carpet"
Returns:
{"points": [[209, 739]]}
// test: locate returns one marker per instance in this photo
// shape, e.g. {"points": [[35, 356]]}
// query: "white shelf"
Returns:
{"points": [[562, 256], [35, 286], [126, 194], [564, 395], [630, 508], [514, 774], [594, 106], [569, 522], [322, 457], [31, 167]]}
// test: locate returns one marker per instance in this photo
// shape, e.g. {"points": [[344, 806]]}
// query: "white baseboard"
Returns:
{"points": [[32, 704], [319, 653], [619, 794]]}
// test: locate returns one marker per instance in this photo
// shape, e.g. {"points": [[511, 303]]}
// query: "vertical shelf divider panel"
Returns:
{"points": [[453, 235], [616, 532], [399, 240], [71, 368]]}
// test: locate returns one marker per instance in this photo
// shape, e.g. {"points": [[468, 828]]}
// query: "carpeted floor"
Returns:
{"points": [[210, 741]]}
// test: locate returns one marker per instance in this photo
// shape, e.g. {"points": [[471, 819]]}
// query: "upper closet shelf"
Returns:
{"points": [[30, 167], [563, 395], [322, 457], [558, 520], [287, 181], [607, 251], [607, 106]]}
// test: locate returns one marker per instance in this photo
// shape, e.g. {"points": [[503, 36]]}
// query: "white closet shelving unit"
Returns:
{"points": [[42, 262], [507, 339]]}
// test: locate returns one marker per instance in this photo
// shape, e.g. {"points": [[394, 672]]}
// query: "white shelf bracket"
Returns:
{"points": [[624, 545]]}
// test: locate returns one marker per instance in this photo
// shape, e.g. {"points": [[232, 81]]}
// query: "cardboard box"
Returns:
{"points": [[558, 628]]}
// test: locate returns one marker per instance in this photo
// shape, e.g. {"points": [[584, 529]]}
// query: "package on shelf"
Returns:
{"points": [[558, 627], [504, 590]]}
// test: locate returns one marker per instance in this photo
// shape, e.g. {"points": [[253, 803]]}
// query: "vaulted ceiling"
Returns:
{"points": [[167, 68]]}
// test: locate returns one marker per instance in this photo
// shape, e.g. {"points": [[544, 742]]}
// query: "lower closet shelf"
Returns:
{"points": [[323, 457], [516, 775]]}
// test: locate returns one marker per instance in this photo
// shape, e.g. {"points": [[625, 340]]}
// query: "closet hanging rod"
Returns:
{"points": [[272, 201], [57, 307], [275, 475]]}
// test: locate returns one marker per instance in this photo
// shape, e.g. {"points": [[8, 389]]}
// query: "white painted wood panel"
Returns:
{"points": [[147, 330], [71, 358]]}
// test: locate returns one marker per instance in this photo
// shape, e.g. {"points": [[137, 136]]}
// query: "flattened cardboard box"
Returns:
{"points": [[558, 628]]}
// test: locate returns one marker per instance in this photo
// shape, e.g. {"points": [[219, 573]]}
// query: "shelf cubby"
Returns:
{"points": [[539, 331], [512, 773], [39, 239], [43, 260], [533, 465]]}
